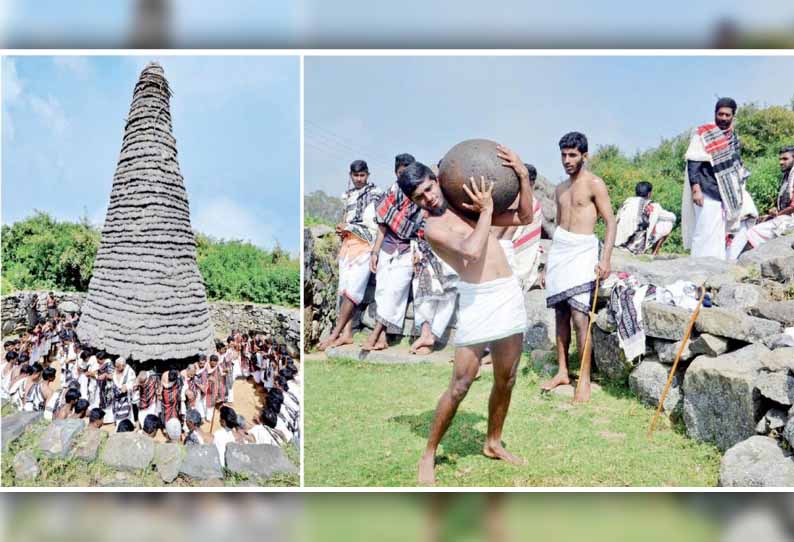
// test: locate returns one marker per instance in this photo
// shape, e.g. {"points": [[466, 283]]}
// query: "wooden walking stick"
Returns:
{"points": [[677, 359], [586, 356], [214, 410]]}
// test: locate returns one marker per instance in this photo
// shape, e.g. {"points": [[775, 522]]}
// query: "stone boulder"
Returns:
{"points": [[770, 251], [609, 357], [662, 271], [13, 425], [59, 437], [201, 462], [663, 321], [779, 311], [788, 430], [167, 459], [86, 447], [541, 334], [128, 451], [709, 345], [667, 350], [735, 325], [777, 386], [781, 359], [26, 468], [757, 462], [721, 404], [780, 269], [780, 340], [258, 460], [605, 321], [647, 381], [774, 420], [740, 296]]}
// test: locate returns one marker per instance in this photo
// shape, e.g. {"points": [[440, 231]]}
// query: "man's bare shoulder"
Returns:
{"points": [[596, 183]]}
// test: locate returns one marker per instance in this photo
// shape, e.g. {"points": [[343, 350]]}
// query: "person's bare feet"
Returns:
{"points": [[343, 340], [327, 343], [560, 379], [382, 344], [427, 474], [582, 394], [495, 451], [423, 345], [369, 344]]}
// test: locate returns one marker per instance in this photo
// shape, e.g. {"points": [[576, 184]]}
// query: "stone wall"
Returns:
{"points": [[281, 322]]}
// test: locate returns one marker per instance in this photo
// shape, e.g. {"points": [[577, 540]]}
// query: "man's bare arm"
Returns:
{"points": [[472, 246], [373, 259], [604, 207], [523, 214]]}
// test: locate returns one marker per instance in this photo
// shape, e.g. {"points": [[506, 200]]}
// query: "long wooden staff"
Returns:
{"points": [[586, 356], [214, 410], [677, 359]]}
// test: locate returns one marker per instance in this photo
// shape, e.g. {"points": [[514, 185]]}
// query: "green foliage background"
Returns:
{"points": [[43, 253], [762, 130]]}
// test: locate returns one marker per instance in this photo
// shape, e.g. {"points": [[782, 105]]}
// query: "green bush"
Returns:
{"points": [[762, 131], [42, 253], [238, 271]]}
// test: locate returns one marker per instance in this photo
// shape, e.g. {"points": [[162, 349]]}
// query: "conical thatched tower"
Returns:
{"points": [[146, 298]]}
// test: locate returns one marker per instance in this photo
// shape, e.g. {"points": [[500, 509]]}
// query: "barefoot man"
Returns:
{"points": [[358, 232], [573, 258], [491, 307]]}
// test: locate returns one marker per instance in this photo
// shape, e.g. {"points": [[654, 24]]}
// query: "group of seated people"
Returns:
{"points": [[176, 404]]}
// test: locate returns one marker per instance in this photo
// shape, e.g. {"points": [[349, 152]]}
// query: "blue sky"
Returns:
{"points": [[236, 120], [408, 23], [376, 107]]}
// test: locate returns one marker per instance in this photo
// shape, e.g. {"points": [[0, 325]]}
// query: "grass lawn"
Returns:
{"points": [[367, 424]]}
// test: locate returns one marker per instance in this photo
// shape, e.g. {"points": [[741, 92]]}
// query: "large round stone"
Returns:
{"points": [[476, 158]]}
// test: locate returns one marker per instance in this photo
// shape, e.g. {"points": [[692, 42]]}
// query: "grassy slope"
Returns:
{"points": [[366, 425]]}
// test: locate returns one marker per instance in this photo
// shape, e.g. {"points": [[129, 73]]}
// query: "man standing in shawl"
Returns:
{"points": [[780, 219], [714, 199], [399, 221], [358, 231], [642, 222], [573, 258]]}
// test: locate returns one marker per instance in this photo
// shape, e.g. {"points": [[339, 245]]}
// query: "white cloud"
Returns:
{"points": [[223, 218], [50, 112], [77, 65]]}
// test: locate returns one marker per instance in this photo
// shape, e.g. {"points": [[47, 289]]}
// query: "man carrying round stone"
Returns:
{"points": [[491, 307]]}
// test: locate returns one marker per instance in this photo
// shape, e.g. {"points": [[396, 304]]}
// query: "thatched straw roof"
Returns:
{"points": [[146, 298]]}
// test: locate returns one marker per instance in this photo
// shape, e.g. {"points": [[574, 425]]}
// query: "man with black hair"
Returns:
{"points": [[125, 426], [573, 261], [641, 222], [357, 231], [151, 424], [715, 202], [80, 410], [779, 220], [264, 428], [399, 223], [491, 305], [66, 408], [96, 418], [170, 395]]}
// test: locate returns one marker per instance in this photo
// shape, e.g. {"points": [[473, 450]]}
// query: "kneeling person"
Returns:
{"points": [[491, 304]]}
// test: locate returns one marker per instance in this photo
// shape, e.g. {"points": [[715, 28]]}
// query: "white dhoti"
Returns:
{"points": [[353, 277], [763, 232], [489, 311], [395, 272], [436, 312], [708, 236], [570, 269]]}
